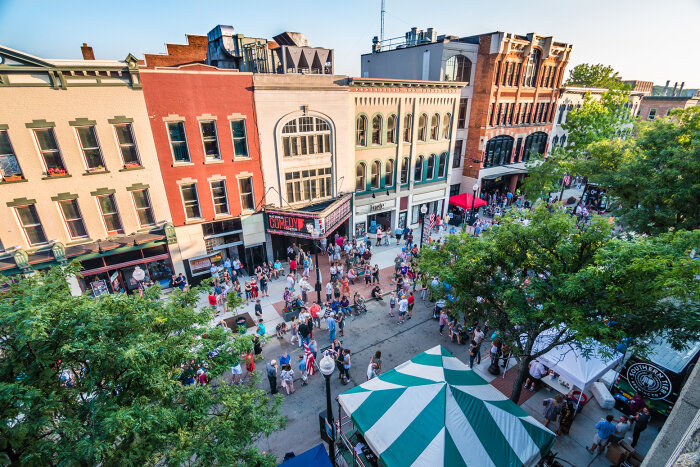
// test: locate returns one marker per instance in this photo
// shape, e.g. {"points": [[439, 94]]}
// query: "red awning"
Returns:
{"points": [[464, 201]]}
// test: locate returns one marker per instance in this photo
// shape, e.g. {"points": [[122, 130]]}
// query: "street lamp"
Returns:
{"points": [[327, 365], [471, 212], [314, 235], [423, 211]]}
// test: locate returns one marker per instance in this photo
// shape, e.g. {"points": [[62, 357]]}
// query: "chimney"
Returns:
{"points": [[680, 90], [668, 81], [88, 54], [675, 85]]}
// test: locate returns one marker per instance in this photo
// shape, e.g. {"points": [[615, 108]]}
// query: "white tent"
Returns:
{"points": [[580, 366]]}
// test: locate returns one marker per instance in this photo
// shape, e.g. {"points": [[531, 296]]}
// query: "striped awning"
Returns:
{"points": [[433, 410]]}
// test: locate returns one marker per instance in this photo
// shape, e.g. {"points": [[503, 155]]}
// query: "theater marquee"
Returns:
{"points": [[293, 222]]}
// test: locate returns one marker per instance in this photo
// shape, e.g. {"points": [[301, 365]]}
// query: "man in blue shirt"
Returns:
{"points": [[604, 429]]}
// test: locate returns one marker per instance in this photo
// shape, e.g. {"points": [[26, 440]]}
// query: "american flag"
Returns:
{"points": [[431, 218], [309, 357]]}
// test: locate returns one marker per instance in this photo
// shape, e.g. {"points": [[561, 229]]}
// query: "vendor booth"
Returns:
{"points": [[465, 202], [433, 410]]}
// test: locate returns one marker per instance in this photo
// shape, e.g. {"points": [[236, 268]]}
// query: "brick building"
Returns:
{"points": [[204, 128], [653, 107]]}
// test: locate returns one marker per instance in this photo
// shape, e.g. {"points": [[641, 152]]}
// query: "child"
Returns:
{"points": [[302, 370], [392, 304]]}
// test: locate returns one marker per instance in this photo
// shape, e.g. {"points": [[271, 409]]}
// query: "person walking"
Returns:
{"points": [[411, 300], [604, 429], [272, 376], [340, 322], [377, 361], [392, 303], [443, 321], [552, 409], [641, 422], [403, 309], [473, 352], [330, 324], [375, 274], [287, 377], [478, 337], [302, 370], [346, 366]]}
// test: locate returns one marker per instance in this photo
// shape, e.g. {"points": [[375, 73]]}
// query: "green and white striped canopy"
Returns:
{"points": [[434, 410]]}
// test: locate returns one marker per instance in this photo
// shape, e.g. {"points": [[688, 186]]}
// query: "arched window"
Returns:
{"points": [[306, 135], [555, 141], [430, 173], [422, 122], [442, 165], [536, 143], [418, 173], [360, 177], [533, 64], [434, 127], [407, 128], [458, 68], [446, 126], [389, 173], [377, 130], [361, 131], [498, 151], [563, 140], [405, 165], [375, 174], [391, 129]]}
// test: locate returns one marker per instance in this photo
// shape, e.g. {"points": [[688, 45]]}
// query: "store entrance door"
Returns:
{"points": [[382, 219], [254, 256]]}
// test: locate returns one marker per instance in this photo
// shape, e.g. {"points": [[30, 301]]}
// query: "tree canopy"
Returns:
{"points": [[589, 75], [655, 177], [542, 271], [125, 404]]}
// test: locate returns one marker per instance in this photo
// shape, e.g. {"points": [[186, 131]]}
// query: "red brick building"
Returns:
{"points": [[516, 86], [206, 138]]}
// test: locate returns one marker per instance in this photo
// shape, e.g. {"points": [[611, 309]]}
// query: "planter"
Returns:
{"points": [[132, 166], [57, 174], [12, 178]]}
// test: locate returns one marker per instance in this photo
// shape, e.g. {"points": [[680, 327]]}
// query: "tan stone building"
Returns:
{"points": [[404, 137], [80, 177]]}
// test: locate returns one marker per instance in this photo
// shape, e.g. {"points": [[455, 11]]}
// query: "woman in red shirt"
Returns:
{"points": [[411, 299]]}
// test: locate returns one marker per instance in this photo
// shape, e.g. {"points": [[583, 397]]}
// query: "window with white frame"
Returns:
{"points": [[389, 173], [434, 127], [360, 177], [90, 147], [375, 174], [377, 130], [190, 199], [462, 115], [218, 193], [127, 144], [144, 210], [458, 68], [210, 139], [73, 219], [652, 114], [110, 214], [442, 165], [31, 224], [391, 129], [422, 130], [407, 128], [240, 138], [430, 173], [178, 141], [306, 136], [308, 185], [245, 187], [405, 167], [418, 173], [446, 126], [9, 165], [50, 153], [361, 131]]}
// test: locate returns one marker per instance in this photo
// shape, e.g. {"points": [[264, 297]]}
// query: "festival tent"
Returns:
{"points": [[314, 457], [464, 201], [434, 410], [579, 365]]}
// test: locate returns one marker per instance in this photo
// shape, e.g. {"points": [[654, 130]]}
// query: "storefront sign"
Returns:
{"points": [[649, 380], [376, 207], [287, 223]]}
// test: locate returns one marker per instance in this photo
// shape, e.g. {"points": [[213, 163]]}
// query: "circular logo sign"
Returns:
{"points": [[649, 380]]}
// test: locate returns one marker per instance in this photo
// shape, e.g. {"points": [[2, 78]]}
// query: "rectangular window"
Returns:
{"points": [[652, 114], [31, 224], [73, 219], [457, 154], [240, 139], [218, 192], [511, 69], [498, 114], [405, 165], [305, 185], [110, 214], [50, 153], [178, 141], [245, 185], [90, 148], [142, 204], [462, 115], [498, 72], [127, 145], [190, 198], [210, 140], [9, 166], [504, 73], [517, 74]]}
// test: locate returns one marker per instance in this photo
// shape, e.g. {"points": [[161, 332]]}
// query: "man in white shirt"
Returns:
{"points": [[537, 371], [621, 429], [478, 337], [403, 309], [237, 265]]}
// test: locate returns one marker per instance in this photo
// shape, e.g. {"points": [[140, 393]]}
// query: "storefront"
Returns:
{"points": [[328, 218], [368, 217]]}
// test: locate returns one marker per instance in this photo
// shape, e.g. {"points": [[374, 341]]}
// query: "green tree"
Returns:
{"points": [[654, 178], [126, 404], [595, 76], [544, 272]]}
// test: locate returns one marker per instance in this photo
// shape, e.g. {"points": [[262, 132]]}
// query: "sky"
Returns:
{"points": [[642, 39]]}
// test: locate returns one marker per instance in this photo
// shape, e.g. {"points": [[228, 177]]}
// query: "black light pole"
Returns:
{"points": [[471, 211], [423, 211], [314, 234], [327, 365]]}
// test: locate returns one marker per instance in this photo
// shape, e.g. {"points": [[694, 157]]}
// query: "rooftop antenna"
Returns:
{"points": [[381, 31]]}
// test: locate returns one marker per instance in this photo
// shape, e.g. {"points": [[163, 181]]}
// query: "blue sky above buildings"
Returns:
{"points": [[643, 39]]}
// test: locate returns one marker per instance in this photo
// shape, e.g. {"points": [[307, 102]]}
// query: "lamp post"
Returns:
{"points": [[471, 211], [423, 211], [327, 365], [314, 236]]}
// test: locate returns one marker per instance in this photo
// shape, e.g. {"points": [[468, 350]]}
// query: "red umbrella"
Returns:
{"points": [[464, 201]]}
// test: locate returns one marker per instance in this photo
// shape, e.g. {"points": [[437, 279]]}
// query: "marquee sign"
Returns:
{"points": [[649, 380], [293, 222]]}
